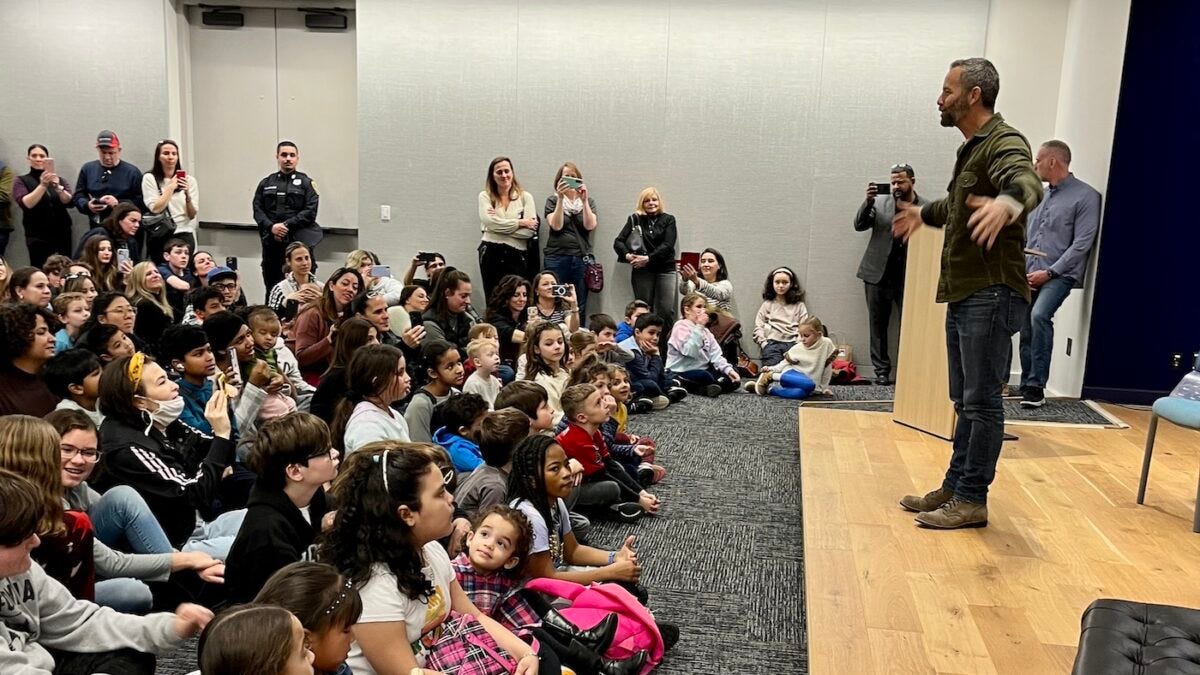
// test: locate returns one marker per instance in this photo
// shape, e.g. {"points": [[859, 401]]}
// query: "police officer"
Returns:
{"points": [[285, 209]]}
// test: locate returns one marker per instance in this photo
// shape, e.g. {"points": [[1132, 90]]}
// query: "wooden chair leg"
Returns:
{"points": [[1141, 496]]}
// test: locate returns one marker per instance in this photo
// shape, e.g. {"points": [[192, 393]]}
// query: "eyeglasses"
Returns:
{"points": [[88, 454], [321, 455], [225, 285], [121, 310]]}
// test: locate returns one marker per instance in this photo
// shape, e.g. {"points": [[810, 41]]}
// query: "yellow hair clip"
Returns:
{"points": [[136, 363]]}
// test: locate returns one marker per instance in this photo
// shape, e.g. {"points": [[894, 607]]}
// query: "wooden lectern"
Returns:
{"points": [[922, 388]]}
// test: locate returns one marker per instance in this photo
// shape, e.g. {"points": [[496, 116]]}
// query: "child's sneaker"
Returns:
{"points": [[676, 394], [645, 474], [661, 402], [641, 406], [763, 385]]}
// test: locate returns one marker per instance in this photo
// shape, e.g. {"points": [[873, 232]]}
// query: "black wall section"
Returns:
{"points": [[1147, 300]]}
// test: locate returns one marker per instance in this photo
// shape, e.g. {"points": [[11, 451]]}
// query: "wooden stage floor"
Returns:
{"points": [[885, 596]]}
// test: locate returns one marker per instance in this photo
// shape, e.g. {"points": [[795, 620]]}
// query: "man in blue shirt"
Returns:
{"points": [[1061, 232], [103, 183]]}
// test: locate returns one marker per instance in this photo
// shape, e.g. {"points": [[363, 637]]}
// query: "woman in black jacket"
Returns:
{"points": [[449, 317], [506, 311], [647, 243], [45, 200], [176, 468]]}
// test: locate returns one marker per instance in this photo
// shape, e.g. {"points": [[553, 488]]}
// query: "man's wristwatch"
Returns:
{"points": [[1052, 274]]}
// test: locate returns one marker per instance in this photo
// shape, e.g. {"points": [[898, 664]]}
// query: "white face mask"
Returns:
{"points": [[167, 411]]}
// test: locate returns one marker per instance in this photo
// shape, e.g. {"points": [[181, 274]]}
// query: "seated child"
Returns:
{"points": [[583, 342], [636, 453], [694, 355], [652, 386], [107, 342], [176, 274], [461, 416], [586, 411], [531, 399], [278, 646], [74, 375], [292, 460], [72, 310], [42, 625], [806, 367], [486, 486], [546, 354], [606, 339], [327, 606], [186, 350], [444, 369], [491, 570], [633, 311], [485, 356], [265, 329]]}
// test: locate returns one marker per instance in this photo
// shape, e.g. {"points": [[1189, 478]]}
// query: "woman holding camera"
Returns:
{"points": [[508, 219], [571, 214], [647, 243], [554, 302], [167, 188]]}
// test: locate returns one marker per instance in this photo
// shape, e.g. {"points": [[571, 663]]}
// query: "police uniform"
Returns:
{"points": [[290, 199]]}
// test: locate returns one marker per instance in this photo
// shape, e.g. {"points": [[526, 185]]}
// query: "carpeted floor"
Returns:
{"points": [[724, 559]]}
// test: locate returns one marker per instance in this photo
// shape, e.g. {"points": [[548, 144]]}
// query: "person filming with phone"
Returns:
{"points": [[285, 209], [883, 263], [172, 198], [103, 183], [44, 198]]}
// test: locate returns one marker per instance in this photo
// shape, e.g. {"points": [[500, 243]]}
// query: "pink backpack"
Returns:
{"points": [[636, 629]]}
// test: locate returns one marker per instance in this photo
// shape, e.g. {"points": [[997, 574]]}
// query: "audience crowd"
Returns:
{"points": [[359, 474]]}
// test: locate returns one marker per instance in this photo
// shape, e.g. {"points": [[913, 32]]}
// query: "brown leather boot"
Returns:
{"points": [[929, 502], [954, 514]]}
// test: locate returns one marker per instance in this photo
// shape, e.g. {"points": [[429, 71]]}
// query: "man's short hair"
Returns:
{"points": [[903, 168], [647, 320], [979, 72], [461, 411], [636, 305], [499, 433], [1060, 148], [282, 144], [524, 395], [294, 438], [68, 367], [573, 398], [599, 322], [22, 510]]}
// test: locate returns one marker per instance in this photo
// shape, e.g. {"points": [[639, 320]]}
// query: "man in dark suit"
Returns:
{"points": [[882, 266]]}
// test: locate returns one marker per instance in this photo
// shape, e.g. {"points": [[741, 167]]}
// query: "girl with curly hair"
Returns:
{"points": [[394, 505]]}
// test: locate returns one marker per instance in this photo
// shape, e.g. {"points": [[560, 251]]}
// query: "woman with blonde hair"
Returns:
{"points": [[509, 221], [647, 244], [148, 294], [389, 287]]}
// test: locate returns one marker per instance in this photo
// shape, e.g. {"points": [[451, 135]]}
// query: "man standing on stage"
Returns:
{"points": [[994, 186]]}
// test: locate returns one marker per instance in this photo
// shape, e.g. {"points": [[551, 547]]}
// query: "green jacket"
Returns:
{"points": [[995, 161], [6, 190]]}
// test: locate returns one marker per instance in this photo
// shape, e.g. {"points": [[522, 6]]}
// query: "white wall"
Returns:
{"points": [[72, 69], [760, 122]]}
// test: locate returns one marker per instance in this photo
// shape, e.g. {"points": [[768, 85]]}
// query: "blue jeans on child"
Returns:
{"points": [[216, 538], [125, 595], [696, 381], [123, 521], [774, 350], [794, 384], [979, 332]]}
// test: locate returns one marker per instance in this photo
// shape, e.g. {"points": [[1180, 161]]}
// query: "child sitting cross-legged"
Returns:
{"points": [[485, 355], [486, 486], [74, 375], [327, 606], [606, 339], [694, 355], [653, 386], [806, 367], [606, 485], [636, 453], [461, 415], [265, 328]]}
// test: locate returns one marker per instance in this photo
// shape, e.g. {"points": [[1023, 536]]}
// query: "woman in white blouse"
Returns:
{"points": [[508, 219], [166, 186]]}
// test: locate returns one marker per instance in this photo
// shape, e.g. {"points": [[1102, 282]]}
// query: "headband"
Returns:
{"points": [[136, 363], [337, 602]]}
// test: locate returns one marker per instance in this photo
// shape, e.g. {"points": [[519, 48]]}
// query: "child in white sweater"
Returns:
{"points": [[805, 368]]}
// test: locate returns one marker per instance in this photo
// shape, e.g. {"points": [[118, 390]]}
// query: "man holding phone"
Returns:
{"points": [[285, 210], [882, 266], [105, 182]]}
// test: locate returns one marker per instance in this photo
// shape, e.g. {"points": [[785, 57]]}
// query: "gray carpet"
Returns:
{"points": [[724, 559], [1056, 410]]}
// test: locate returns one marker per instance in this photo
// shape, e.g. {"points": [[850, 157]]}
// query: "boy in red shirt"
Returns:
{"points": [[605, 482]]}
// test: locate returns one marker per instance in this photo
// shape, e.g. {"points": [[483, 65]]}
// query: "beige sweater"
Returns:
{"points": [[502, 227], [814, 362]]}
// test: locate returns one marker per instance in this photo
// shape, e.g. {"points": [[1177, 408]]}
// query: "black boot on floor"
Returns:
{"points": [[629, 666], [597, 639]]}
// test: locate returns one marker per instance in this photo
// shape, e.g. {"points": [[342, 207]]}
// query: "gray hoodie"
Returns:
{"points": [[37, 612]]}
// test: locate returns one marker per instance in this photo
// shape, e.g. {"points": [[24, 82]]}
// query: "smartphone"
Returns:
{"points": [[883, 188], [572, 182], [560, 290], [48, 166], [426, 257], [181, 174], [122, 256], [690, 258], [380, 271], [231, 262]]}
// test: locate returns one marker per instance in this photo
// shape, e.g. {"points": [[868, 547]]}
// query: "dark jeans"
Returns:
{"points": [[645, 389], [979, 332], [124, 661], [40, 249], [272, 264], [4, 236], [774, 350], [880, 298], [695, 381], [568, 269], [660, 290], [1037, 331], [496, 261]]}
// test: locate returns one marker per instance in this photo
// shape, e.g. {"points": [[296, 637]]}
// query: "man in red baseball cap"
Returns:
{"points": [[105, 182]]}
